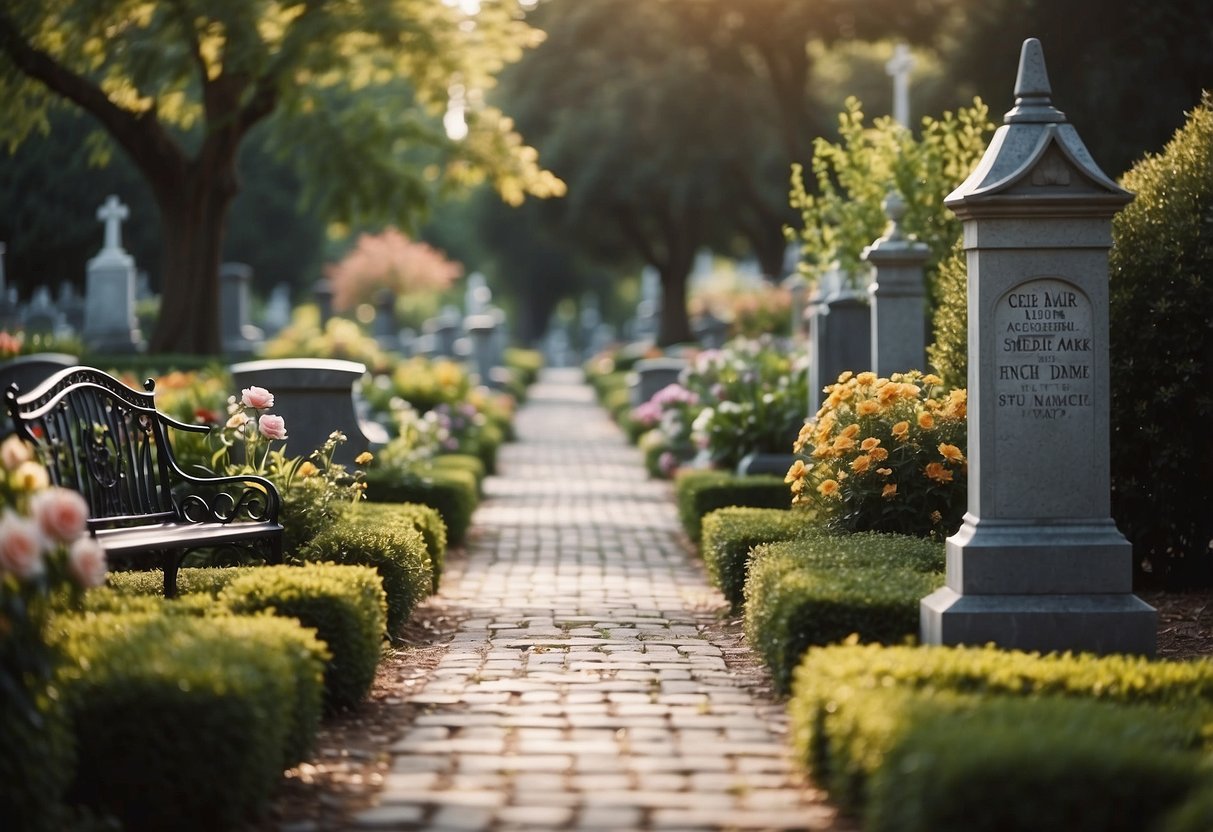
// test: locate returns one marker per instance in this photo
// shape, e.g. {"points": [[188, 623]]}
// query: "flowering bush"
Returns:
{"points": [[19, 342], [419, 436], [338, 338], [390, 260], [423, 382], [759, 393], [666, 418], [47, 561], [884, 454], [751, 311]]}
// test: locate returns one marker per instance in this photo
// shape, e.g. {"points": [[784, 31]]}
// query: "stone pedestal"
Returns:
{"points": [[1038, 563], [481, 330], [652, 374], [841, 340], [898, 297], [239, 337]]}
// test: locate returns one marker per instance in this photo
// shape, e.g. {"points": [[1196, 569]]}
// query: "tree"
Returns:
{"points": [[178, 85]]}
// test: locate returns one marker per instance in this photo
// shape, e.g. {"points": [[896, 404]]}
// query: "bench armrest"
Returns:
{"points": [[258, 500]]}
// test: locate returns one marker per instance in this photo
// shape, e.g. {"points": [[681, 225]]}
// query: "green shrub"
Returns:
{"points": [[526, 363], [699, 492], [1161, 368], [730, 533], [398, 552], [186, 723], [37, 758], [423, 518], [462, 462], [1193, 815], [190, 581], [949, 354], [452, 493], [346, 607], [820, 590], [1035, 765]]}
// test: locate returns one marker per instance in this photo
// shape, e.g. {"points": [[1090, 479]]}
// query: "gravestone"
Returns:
{"points": [[239, 337], [649, 375], [898, 296], [277, 314], [384, 328], [445, 329], [481, 330], [322, 293], [314, 396], [40, 317], [27, 372], [711, 332], [797, 287], [1038, 563], [899, 68], [109, 317], [72, 306], [477, 295], [841, 335], [10, 312], [648, 310]]}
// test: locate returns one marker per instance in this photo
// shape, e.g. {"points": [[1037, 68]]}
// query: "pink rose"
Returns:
{"points": [[20, 546], [271, 426], [86, 562], [257, 397], [14, 451], [61, 513]]}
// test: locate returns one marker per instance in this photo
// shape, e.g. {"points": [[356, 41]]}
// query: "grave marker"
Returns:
{"points": [[109, 320], [898, 296]]}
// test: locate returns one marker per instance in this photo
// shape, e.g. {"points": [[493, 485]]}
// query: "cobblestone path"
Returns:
{"points": [[588, 686]]}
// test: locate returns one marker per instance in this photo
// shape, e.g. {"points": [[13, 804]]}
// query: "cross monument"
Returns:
{"points": [[899, 68], [112, 213]]}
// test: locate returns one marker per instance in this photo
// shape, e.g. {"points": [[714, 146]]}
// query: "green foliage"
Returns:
{"points": [[37, 762], [1193, 815], [823, 589], [461, 462], [698, 492], [425, 519], [345, 605], [884, 455], [190, 581], [526, 363], [1160, 304], [949, 354], [729, 534], [453, 493], [397, 551], [841, 212], [187, 723], [843, 735]]}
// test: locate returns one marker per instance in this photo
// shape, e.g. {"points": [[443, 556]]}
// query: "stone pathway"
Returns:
{"points": [[585, 689]]}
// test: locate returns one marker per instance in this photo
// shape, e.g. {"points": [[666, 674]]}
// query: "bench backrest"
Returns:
{"points": [[103, 439]]}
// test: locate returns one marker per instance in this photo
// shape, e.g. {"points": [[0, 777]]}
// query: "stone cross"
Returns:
{"points": [[899, 68], [1038, 563], [112, 213]]}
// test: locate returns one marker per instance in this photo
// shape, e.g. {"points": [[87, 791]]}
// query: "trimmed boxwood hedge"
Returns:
{"points": [[820, 590], [423, 518], [345, 605], [397, 551], [699, 492], [842, 736], [36, 763], [453, 493], [186, 723], [462, 462], [730, 533]]}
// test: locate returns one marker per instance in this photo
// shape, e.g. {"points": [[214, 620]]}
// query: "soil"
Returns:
{"points": [[352, 756]]}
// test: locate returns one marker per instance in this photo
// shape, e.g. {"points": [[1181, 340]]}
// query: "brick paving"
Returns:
{"points": [[587, 687]]}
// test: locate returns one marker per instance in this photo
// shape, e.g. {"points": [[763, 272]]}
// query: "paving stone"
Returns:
{"points": [[388, 817]]}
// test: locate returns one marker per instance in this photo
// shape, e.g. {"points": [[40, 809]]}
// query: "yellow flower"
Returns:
{"points": [[937, 472], [363, 458], [844, 377], [931, 378], [795, 472], [850, 431], [951, 453], [828, 488], [888, 393], [889, 490], [844, 443], [956, 405], [861, 463], [926, 421], [29, 476], [307, 469], [869, 443], [879, 454], [901, 430], [867, 407], [884, 472], [865, 378], [823, 451], [806, 431], [797, 486]]}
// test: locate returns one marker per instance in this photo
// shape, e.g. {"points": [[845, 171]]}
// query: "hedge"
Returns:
{"points": [[730, 533], [462, 462], [186, 723], [699, 492], [425, 519], [36, 763], [453, 493], [821, 590]]}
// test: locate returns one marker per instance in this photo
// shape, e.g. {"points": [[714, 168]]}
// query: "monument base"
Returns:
{"points": [[1112, 623], [115, 343], [759, 463]]}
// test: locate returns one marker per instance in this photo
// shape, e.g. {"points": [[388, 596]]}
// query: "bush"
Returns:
{"points": [[398, 552], [884, 455], [1037, 765], [526, 363], [37, 758], [453, 493], [1161, 368], [190, 581], [187, 723], [425, 519], [730, 533], [462, 462], [1194, 815], [346, 607], [821, 590], [699, 492], [949, 354]]}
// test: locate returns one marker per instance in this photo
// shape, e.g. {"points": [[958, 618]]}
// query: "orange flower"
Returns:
{"points": [[828, 488], [850, 431], [926, 421], [901, 430], [823, 451], [865, 378], [889, 490], [845, 376], [888, 393], [879, 454], [796, 472], [931, 378], [951, 453], [884, 472], [844, 443], [861, 464], [869, 443], [937, 472], [867, 407]]}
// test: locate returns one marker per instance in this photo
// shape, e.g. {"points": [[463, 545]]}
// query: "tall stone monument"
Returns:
{"points": [[239, 337], [1038, 563], [898, 293], [109, 318]]}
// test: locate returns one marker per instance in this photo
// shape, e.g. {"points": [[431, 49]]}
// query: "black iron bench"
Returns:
{"points": [[109, 443]]}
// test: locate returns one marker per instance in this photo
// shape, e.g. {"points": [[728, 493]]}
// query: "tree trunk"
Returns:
{"points": [[193, 215], [675, 325]]}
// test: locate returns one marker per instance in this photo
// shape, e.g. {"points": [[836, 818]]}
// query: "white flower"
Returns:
{"points": [[86, 562], [21, 544]]}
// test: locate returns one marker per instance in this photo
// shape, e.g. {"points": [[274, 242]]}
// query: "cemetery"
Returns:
{"points": [[485, 428]]}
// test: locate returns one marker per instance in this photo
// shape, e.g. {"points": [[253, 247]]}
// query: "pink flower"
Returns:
{"points": [[61, 513], [271, 426], [20, 546], [86, 562], [257, 397], [14, 451]]}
